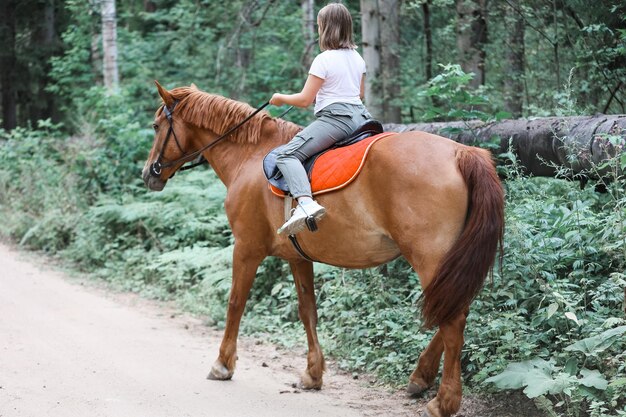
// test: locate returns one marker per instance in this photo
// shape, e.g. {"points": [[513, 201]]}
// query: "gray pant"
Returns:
{"points": [[333, 123]]}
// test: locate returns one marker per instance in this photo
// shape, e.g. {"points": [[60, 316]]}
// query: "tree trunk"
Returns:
{"points": [[380, 32], [45, 107], [109, 45], [389, 39], [575, 142], [308, 32], [370, 20], [471, 31], [7, 64], [48, 32], [429, 40], [96, 57], [514, 81], [149, 6]]}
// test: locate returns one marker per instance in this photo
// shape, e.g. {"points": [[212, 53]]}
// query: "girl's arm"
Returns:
{"points": [[302, 99], [362, 95]]}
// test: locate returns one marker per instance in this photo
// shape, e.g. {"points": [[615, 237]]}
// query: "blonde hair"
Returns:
{"points": [[335, 27]]}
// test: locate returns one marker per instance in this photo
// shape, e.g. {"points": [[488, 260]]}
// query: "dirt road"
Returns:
{"points": [[70, 349]]}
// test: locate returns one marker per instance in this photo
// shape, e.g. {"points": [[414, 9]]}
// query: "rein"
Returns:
{"points": [[203, 161], [157, 166]]}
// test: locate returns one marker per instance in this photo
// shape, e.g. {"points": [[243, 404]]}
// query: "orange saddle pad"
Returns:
{"points": [[336, 168]]}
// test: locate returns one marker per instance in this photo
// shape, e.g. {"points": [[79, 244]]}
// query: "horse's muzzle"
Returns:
{"points": [[152, 182]]}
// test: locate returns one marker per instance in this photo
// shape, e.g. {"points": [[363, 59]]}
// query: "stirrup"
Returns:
{"points": [[311, 223]]}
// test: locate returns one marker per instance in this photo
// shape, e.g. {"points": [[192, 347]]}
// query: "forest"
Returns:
{"points": [[540, 83]]}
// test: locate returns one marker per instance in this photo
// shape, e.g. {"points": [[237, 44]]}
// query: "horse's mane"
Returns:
{"points": [[218, 114]]}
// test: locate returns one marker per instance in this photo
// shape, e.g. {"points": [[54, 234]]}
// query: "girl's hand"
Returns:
{"points": [[277, 99], [302, 99]]}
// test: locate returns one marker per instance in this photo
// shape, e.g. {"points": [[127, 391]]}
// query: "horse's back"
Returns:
{"points": [[420, 152], [419, 164], [409, 196]]}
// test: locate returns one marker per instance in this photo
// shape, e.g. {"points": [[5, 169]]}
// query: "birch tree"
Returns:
{"points": [[109, 45]]}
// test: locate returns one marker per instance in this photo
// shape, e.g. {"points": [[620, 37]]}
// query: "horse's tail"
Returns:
{"points": [[463, 269]]}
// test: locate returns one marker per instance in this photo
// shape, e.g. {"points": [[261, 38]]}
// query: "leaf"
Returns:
{"points": [[619, 382], [572, 317], [541, 383], [276, 288], [538, 383], [599, 343], [571, 366], [552, 308], [593, 379], [515, 375]]}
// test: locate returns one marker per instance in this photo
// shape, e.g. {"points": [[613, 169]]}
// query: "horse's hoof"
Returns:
{"points": [[308, 383], [415, 389], [219, 372]]}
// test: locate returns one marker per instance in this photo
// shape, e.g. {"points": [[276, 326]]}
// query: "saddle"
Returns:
{"points": [[332, 168]]}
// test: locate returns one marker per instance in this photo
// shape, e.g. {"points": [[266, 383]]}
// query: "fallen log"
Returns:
{"points": [[541, 145]]}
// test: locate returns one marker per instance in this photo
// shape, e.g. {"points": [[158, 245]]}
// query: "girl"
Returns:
{"points": [[336, 84]]}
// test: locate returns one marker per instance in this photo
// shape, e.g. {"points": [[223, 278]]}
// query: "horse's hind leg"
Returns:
{"points": [[448, 339], [427, 368], [303, 276], [448, 399]]}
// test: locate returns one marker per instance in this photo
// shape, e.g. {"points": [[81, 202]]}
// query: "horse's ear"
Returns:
{"points": [[165, 95], [193, 86]]}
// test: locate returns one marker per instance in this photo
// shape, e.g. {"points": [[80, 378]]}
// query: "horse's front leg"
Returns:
{"points": [[245, 265], [448, 399], [303, 276]]}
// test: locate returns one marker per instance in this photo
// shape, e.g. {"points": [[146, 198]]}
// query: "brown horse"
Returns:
{"points": [[438, 203]]}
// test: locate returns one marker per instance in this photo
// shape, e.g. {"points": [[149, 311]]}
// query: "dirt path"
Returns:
{"points": [[69, 348]]}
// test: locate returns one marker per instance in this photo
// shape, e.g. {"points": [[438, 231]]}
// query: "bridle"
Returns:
{"points": [[157, 166]]}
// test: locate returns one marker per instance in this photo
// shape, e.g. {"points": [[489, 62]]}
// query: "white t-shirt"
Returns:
{"points": [[341, 70]]}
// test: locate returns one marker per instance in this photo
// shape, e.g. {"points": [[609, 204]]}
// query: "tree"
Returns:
{"points": [[515, 56], [109, 45], [370, 20], [428, 39], [8, 64], [389, 40], [308, 32], [471, 31], [380, 33]]}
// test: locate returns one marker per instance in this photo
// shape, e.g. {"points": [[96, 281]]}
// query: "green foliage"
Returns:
{"points": [[34, 183], [564, 281], [450, 90]]}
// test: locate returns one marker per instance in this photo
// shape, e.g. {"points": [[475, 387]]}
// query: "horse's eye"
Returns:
{"points": [[155, 127]]}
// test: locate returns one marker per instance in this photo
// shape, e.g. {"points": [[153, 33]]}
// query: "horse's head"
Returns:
{"points": [[172, 143]]}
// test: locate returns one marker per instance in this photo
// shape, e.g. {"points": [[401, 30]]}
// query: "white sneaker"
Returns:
{"points": [[297, 221]]}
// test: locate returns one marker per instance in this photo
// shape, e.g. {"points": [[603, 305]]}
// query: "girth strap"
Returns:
{"points": [[296, 245], [292, 238]]}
